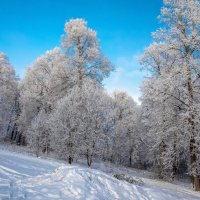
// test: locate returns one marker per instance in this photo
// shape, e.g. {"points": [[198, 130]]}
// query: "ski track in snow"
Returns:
{"points": [[25, 177]]}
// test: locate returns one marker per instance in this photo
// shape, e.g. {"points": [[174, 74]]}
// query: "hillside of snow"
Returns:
{"points": [[26, 177]]}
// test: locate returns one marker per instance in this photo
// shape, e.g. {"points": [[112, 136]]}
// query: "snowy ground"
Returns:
{"points": [[26, 177]]}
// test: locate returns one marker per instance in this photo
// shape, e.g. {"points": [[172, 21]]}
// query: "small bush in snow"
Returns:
{"points": [[129, 179]]}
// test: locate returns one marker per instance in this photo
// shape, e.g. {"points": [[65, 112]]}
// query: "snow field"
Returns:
{"points": [[25, 177]]}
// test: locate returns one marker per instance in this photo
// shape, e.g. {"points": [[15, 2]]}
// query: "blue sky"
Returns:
{"points": [[30, 27]]}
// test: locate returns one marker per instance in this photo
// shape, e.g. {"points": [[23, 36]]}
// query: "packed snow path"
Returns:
{"points": [[25, 177]]}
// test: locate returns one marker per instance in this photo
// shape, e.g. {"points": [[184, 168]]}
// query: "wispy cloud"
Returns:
{"points": [[127, 77]]}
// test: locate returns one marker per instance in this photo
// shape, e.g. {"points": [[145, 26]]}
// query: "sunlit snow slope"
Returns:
{"points": [[25, 177]]}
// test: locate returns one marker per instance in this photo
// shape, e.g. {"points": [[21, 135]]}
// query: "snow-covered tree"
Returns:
{"points": [[8, 95], [164, 128], [126, 136], [83, 52], [38, 133], [45, 82], [68, 80], [79, 122], [178, 62]]}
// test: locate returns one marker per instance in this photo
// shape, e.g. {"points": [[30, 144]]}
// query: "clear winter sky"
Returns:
{"points": [[30, 27]]}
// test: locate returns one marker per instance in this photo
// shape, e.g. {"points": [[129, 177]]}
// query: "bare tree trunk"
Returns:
{"points": [[70, 146], [89, 158], [174, 165], [130, 161], [70, 160], [175, 150], [162, 148], [130, 157], [37, 150], [46, 144]]}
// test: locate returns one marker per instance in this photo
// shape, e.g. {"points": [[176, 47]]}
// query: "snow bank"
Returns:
{"points": [[76, 183]]}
